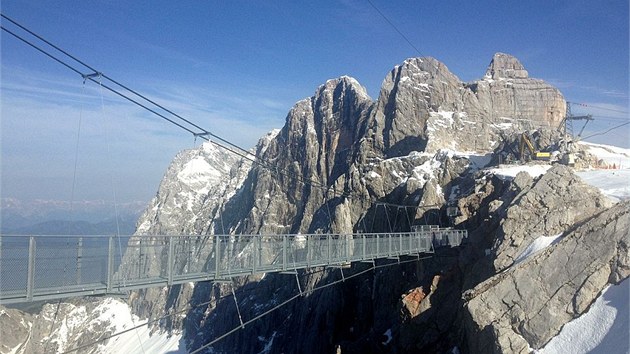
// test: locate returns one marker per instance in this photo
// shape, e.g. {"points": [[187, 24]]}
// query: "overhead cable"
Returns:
{"points": [[605, 131], [599, 107], [177, 120]]}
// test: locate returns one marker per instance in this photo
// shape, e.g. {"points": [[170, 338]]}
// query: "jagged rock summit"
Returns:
{"points": [[400, 148], [422, 106], [505, 66], [338, 156]]}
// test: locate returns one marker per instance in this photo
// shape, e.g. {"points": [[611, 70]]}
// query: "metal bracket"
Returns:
{"points": [[91, 76]]}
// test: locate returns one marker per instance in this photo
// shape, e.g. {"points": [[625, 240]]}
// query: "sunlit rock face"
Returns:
{"points": [[339, 154], [404, 148]]}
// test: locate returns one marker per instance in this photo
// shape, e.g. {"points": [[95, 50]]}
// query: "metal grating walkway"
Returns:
{"points": [[51, 267]]}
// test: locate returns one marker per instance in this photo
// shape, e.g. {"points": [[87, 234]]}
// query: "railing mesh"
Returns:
{"points": [[45, 267]]}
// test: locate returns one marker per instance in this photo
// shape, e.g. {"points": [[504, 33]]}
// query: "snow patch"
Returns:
{"points": [[388, 334], [442, 119], [509, 172], [140, 340], [197, 172], [373, 175], [503, 126], [267, 348], [603, 329], [536, 246]]}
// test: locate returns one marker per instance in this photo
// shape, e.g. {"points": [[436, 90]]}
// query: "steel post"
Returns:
{"points": [[217, 255], [308, 259], [328, 236], [30, 281], [284, 252], [110, 263], [364, 246], [255, 256], [79, 260], [169, 266], [230, 253], [259, 238]]}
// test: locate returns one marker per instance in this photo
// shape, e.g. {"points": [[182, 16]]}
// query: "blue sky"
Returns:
{"points": [[236, 68]]}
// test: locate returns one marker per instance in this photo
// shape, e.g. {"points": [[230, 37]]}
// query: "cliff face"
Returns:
{"points": [[339, 153], [525, 306], [419, 146], [422, 105]]}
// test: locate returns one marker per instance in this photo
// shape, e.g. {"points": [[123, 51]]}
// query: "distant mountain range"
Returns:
{"points": [[56, 217]]}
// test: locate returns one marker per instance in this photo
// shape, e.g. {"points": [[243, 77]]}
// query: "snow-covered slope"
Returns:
{"points": [[618, 156], [615, 183], [602, 330], [81, 326], [139, 340], [196, 182]]}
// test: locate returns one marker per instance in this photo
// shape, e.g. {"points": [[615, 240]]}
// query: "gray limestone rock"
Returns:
{"points": [[553, 204], [338, 156], [15, 330], [527, 304], [505, 66], [340, 141]]}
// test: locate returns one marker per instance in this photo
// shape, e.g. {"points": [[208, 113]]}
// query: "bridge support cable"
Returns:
{"points": [[238, 310], [291, 299], [242, 290], [297, 280], [72, 192], [162, 112]]}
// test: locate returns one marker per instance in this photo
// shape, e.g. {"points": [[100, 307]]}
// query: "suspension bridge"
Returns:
{"points": [[36, 268]]}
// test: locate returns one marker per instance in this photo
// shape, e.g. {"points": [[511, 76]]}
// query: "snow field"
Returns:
{"points": [[509, 172], [603, 329], [140, 340]]}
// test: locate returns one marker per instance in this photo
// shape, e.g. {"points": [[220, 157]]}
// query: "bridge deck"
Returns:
{"points": [[51, 267]]}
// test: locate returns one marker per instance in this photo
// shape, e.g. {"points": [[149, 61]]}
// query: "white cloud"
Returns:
{"points": [[593, 90]]}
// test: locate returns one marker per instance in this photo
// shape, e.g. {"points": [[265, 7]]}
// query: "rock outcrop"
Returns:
{"points": [[62, 327], [505, 66], [423, 106], [346, 163], [525, 306], [338, 156], [553, 204], [15, 330]]}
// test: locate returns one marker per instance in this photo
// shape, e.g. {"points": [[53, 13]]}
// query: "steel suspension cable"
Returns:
{"points": [[606, 131], [291, 299], [87, 345], [203, 134]]}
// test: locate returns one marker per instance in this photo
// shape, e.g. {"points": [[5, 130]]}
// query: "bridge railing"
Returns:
{"points": [[50, 267]]}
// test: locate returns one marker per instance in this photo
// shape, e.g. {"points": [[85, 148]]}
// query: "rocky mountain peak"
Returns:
{"points": [[425, 69], [505, 66], [343, 84]]}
